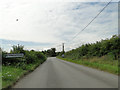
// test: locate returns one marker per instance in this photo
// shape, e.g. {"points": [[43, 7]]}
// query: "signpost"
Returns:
{"points": [[63, 56], [14, 55]]}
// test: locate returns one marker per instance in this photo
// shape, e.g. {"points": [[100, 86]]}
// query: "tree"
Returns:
{"points": [[53, 50], [108, 47], [50, 52], [17, 49]]}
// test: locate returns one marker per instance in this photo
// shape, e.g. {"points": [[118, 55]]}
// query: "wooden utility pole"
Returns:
{"points": [[63, 50], [63, 47]]}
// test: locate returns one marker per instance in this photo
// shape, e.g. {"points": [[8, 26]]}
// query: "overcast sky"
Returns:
{"points": [[43, 25]]}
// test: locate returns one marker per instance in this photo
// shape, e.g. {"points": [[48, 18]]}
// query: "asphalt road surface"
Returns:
{"points": [[56, 73]]}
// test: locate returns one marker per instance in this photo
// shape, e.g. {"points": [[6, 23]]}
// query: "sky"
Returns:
{"points": [[41, 25]]}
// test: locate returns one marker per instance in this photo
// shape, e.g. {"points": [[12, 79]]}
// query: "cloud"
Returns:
{"points": [[52, 23], [7, 44]]}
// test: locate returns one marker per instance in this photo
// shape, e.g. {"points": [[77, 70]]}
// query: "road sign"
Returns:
{"points": [[14, 55], [63, 55]]}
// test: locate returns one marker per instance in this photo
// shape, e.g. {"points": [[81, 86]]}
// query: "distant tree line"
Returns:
{"points": [[110, 47], [50, 52]]}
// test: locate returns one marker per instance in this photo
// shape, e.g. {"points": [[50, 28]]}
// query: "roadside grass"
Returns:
{"points": [[0, 80], [10, 74], [32, 66], [98, 63]]}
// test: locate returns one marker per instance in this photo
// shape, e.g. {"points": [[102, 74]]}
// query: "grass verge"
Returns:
{"points": [[11, 74], [101, 65], [0, 80]]}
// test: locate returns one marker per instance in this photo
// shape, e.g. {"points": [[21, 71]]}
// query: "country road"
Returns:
{"points": [[56, 73]]}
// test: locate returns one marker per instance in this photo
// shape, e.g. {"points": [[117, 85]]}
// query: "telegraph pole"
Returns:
{"points": [[63, 50], [63, 47]]}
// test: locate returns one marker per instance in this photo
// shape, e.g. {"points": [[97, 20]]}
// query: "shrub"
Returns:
{"points": [[29, 57], [108, 47]]}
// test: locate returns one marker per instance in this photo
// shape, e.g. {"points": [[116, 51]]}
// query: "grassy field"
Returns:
{"points": [[10, 74], [98, 63]]}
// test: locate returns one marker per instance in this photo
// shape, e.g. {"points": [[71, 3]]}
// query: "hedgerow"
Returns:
{"points": [[109, 47]]}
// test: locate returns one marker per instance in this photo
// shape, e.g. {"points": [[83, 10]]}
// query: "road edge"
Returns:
{"points": [[88, 66], [22, 76]]}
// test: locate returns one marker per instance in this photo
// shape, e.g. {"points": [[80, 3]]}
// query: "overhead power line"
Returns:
{"points": [[91, 21]]}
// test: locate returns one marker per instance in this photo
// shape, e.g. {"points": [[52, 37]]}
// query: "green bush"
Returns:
{"points": [[29, 57], [108, 47], [33, 56], [40, 56]]}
